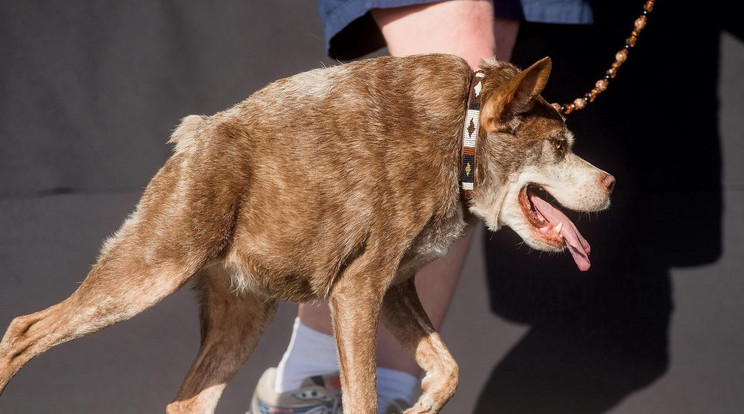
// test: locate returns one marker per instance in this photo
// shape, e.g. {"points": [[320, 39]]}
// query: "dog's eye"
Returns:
{"points": [[559, 144]]}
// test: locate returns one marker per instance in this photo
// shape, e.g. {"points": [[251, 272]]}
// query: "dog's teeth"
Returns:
{"points": [[557, 229], [545, 229]]}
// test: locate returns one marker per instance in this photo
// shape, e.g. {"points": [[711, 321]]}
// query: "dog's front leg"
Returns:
{"points": [[406, 319], [355, 304]]}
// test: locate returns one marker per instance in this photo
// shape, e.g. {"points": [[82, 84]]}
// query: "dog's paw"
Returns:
{"points": [[423, 406]]}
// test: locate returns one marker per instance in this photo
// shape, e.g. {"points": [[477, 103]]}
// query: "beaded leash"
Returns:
{"points": [[620, 58]]}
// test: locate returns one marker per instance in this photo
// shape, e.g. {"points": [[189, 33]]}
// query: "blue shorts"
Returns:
{"points": [[350, 31]]}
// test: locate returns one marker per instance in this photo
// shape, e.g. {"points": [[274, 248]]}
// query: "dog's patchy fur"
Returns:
{"points": [[336, 184]]}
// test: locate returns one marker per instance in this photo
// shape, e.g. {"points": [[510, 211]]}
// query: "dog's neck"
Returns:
{"points": [[469, 136]]}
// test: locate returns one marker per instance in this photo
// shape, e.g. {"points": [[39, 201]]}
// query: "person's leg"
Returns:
{"points": [[312, 350], [465, 28]]}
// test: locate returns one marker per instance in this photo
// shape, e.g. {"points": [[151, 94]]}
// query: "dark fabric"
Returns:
{"points": [[91, 90], [597, 337]]}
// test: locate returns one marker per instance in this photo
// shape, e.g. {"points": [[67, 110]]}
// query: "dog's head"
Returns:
{"points": [[526, 168]]}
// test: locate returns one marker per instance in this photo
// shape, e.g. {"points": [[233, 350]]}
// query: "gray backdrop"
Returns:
{"points": [[89, 92]]}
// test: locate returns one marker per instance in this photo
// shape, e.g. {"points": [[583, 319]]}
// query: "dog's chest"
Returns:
{"points": [[433, 242]]}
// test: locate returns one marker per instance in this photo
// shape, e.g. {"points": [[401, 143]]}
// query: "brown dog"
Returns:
{"points": [[337, 185]]}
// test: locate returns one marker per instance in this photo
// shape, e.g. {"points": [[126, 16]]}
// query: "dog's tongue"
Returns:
{"points": [[577, 244]]}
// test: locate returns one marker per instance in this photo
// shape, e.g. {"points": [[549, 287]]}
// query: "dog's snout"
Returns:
{"points": [[607, 181]]}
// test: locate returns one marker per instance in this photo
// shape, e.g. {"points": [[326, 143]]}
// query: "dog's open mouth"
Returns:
{"points": [[551, 226]]}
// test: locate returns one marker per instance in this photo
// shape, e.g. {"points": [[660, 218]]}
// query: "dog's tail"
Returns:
{"points": [[184, 134]]}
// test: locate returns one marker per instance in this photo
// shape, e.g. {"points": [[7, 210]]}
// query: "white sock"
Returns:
{"points": [[314, 353], [309, 353], [394, 385]]}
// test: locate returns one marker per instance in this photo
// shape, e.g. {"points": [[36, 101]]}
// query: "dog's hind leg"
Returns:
{"points": [[232, 322], [118, 287], [406, 319], [156, 251], [123, 283]]}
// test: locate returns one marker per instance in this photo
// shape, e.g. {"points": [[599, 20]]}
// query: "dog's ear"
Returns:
{"points": [[524, 87], [518, 94]]}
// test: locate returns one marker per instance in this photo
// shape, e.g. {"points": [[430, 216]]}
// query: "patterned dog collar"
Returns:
{"points": [[470, 135]]}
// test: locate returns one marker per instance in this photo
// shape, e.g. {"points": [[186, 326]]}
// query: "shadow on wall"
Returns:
{"points": [[595, 338]]}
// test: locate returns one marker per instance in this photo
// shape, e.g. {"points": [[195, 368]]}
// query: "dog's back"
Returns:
{"points": [[312, 167]]}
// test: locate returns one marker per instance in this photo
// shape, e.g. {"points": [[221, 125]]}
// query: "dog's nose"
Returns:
{"points": [[607, 181]]}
